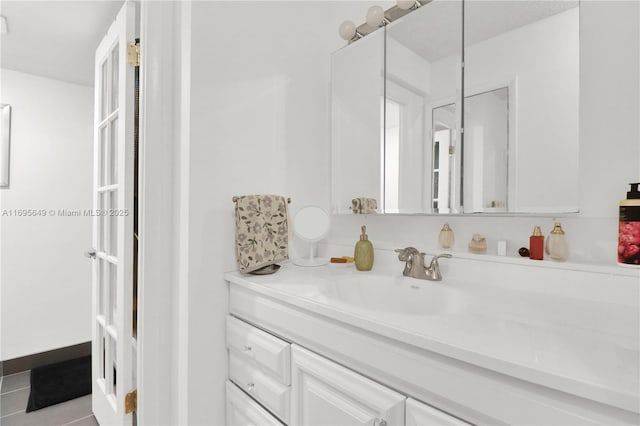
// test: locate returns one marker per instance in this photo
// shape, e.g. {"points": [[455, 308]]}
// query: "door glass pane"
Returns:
{"points": [[114, 79], [113, 223], [113, 366], [113, 300], [113, 154], [101, 290], [102, 205], [104, 74], [102, 150], [110, 352], [101, 352]]}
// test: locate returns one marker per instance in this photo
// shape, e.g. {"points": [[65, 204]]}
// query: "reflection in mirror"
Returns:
{"points": [[422, 73], [521, 83], [444, 122], [485, 154], [357, 92]]}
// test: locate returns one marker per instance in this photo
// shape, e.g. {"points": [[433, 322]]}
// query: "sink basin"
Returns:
{"points": [[393, 294]]}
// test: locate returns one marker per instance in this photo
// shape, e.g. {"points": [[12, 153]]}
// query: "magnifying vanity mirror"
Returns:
{"points": [[311, 224], [400, 135]]}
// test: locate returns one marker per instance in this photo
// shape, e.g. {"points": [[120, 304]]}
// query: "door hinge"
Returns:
{"points": [[133, 54], [131, 402]]}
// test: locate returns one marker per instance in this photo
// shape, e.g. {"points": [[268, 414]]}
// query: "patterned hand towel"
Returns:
{"points": [[364, 205], [262, 231]]}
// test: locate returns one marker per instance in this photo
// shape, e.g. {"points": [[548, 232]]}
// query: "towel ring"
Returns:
{"points": [[235, 199]]}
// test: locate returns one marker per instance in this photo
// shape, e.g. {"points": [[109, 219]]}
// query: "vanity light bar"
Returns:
{"points": [[377, 18]]}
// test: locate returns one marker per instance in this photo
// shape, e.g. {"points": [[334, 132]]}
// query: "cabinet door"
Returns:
{"points": [[327, 394], [419, 414], [243, 411]]}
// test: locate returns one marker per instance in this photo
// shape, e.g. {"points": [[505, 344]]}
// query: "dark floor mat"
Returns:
{"points": [[56, 383]]}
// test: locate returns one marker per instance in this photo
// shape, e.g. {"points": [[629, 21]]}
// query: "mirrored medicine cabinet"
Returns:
{"points": [[400, 135]]}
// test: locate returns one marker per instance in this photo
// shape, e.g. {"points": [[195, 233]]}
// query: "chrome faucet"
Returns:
{"points": [[414, 264]]}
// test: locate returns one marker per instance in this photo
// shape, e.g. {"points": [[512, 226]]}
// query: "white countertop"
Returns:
{"points": [[577, 345]]}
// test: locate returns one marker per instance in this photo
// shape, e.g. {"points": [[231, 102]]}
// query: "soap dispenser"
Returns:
{"points": [[556, 246], [364, 252]]}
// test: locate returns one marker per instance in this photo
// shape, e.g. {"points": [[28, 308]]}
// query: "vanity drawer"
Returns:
{"points": [[264, 388], [244, 411], [420, 414], [269, 352]]}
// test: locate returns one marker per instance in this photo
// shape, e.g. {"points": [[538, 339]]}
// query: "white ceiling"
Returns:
{"points": [[434, 30], [55, 39]]}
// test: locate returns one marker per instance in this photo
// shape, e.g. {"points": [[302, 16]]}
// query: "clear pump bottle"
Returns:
{"points": [[556, 246]]}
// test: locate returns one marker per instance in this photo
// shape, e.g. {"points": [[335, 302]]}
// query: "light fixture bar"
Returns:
{"points": [[389, 15]]}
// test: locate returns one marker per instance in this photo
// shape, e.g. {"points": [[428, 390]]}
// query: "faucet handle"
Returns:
{"points": [[433, 271], [434, 260], [406, 253], [445, 255]]}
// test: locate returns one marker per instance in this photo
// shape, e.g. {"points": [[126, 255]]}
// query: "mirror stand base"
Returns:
{"points": [[316, 261]]}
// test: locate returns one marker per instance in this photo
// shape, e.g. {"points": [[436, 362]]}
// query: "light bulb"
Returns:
{"points": [[347, 30], [406, 4], [375, 16]]}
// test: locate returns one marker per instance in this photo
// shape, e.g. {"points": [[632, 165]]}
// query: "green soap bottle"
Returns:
{"points": [[364, 252]]}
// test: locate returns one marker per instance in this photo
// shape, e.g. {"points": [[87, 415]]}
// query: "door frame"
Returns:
{"points": [[165, 63]]}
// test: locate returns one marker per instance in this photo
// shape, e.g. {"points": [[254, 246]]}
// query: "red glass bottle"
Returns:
{"points": [[536, 244]]}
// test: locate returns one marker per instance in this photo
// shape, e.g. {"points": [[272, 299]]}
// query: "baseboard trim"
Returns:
{"points": [[28, 362]]}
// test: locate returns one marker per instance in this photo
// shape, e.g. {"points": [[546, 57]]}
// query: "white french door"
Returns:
{"points": [[112, 335]]}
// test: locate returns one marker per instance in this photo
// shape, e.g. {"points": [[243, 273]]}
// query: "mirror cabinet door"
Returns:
{"points": [[423, 90], [521, 113], [357, 95]]}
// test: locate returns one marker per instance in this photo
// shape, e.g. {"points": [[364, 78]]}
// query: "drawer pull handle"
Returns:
{"points": [[250, 387], [247, 348], [379, 422]]}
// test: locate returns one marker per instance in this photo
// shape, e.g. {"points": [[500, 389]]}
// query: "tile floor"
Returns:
{"points": [[14, 393]]}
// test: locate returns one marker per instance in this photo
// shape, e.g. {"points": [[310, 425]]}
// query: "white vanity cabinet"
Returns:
{"points": [[333, 363], [274, 382], [325, 393]]}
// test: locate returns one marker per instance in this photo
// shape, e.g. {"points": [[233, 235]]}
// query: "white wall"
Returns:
{"points": [[45, 281], [259, 124]]}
